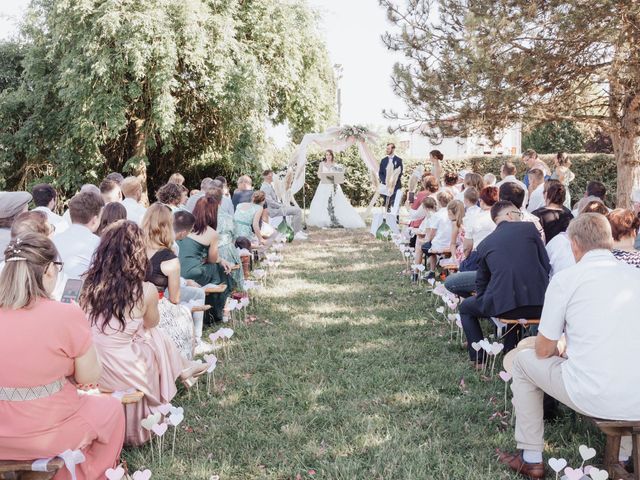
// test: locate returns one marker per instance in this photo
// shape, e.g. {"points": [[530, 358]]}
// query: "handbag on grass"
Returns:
{"points": [[176, 321]]}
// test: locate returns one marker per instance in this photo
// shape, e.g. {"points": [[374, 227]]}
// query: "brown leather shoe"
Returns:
{"points": [[515, 462]]}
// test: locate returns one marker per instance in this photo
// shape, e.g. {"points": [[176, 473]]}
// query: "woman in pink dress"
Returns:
{"points": [[45, 347], [123, 310]]}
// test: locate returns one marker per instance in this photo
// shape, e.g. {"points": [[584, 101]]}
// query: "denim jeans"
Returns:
{"points": [[461, 283]]}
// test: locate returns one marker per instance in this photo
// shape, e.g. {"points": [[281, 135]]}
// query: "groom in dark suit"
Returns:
{"points": [[382, 174]]}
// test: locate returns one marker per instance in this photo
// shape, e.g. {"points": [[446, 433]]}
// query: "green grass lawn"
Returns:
{"points": [[347, 374]]}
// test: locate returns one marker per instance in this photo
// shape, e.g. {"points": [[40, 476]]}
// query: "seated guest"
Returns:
{"points": [[624, 227], [244, 192], [423, 170], [11, 205], [554, 216], [508, 175], [275, 207], [110, 191], [635, 206], [471, 180], [164, 273], [438, 238], [132, 193], [44, 346], [176, 178], [226, 204], [111, 213], [247, 219], [595, 305], [455, 211], [512, 276], [430, 206], [205, 185], [450, 183], [470, 200], [78, 242], [429, 189], [512, 192], [35, 221], [536, 190], [227, 247], [116, 177], [170, 195], [44, 198], [190, 291], [200, 260], [559, 248], [477, 228], [490, 180], [123, 313], [594, 190], [86, 188]]}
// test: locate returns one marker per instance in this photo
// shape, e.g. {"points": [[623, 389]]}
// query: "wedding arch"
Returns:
{"points": [[337, 139]]}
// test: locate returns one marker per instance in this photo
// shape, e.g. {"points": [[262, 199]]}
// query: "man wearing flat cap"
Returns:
{"points": [[11, 204]]}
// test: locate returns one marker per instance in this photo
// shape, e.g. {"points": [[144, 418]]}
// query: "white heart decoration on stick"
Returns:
{"points": [[176, 419], [496, 348], [114, 473], [476, 346], [144, 475], [587, 453], [440, 309], [557, 464], [177, 411], [150, 421], [596, 474]]}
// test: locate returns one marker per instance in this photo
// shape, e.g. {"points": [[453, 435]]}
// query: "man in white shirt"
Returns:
{"points": [[536, 190], [595, 304], [78, 242], [132, 191], [44, 197], [206, 184], [110, 191], [508, 174]]}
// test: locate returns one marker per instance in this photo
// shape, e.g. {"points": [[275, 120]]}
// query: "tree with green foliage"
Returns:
{"points": [[154, 86], [553, 137], [482, 66]]}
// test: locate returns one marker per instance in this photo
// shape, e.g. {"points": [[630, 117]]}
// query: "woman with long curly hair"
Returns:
{"points": [[123, 311]]}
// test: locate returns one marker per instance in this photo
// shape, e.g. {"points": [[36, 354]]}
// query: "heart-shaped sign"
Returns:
{"points": [[506, 376], [244, 301], [596, 474], [587, 453], [176, 419], [160, 429], [556, 464], [573, 474], [459, 323], [150, 421], [114, 473], [177, 411], [165, 408], [440, 309], [496, 348], [476, 346], [144, 475], [431, 281]]}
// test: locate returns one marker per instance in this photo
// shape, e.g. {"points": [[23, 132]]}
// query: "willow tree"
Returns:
{"points": [[479, 66], [157, 85]]}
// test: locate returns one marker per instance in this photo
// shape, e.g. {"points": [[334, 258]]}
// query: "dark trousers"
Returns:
{"points": [[392, 199], [471, 312]]}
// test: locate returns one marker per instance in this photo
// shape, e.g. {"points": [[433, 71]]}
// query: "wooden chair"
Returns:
{"points": [[527, 322], [200, 308], [216, 289], [21, 470], [614, 430]]}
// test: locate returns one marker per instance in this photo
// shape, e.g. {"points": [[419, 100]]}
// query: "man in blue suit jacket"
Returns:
{"points": [[512, 277], [382, 174]]}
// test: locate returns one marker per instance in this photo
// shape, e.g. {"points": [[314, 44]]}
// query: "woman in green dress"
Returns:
{"points": [[200, 259], [247, 218]]}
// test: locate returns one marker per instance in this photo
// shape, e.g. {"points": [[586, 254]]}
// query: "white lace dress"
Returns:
{"points": [[330, 207]]}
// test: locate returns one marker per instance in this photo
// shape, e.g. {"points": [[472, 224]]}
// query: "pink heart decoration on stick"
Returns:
{"points": [[573, 474], [506, 376], [160, 429], [164, 408]]}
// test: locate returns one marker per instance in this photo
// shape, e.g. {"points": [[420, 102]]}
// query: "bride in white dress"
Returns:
{"points": [[329, 207]]}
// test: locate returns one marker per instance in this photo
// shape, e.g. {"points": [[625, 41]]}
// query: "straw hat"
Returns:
{"points": [[525, 344], [12, 203]]}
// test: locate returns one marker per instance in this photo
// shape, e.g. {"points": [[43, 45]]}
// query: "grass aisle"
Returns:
{"points": [[346, 375]]}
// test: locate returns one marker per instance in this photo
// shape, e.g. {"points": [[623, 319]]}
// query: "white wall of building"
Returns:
{"points": [[416, 145]]}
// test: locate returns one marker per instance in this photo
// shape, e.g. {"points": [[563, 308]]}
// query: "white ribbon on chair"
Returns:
{"points": [[71, 458]]}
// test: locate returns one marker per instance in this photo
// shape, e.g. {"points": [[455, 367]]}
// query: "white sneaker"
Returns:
{"points": [[301, 236], [204, 347]]}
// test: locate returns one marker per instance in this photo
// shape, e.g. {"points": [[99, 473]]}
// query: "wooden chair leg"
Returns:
{"points": [[611, 453], [635, 455]]}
